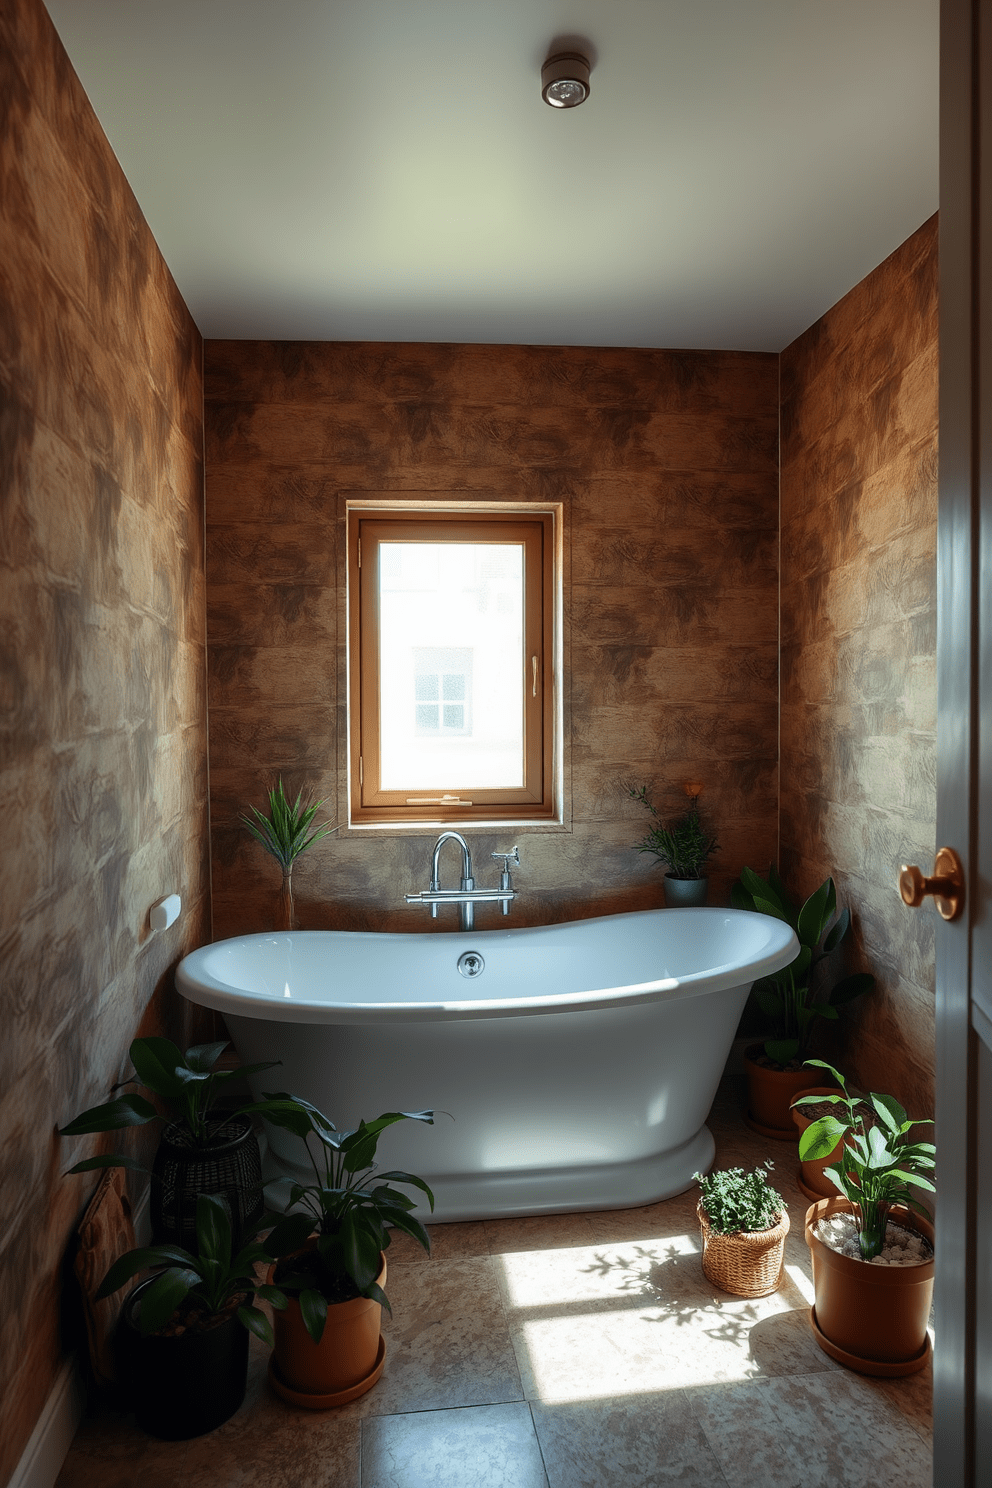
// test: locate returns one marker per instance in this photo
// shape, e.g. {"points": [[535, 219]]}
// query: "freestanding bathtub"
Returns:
{"points": [[570, 1066]]}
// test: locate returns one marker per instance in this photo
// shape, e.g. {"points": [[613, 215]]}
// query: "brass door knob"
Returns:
{"points": [[946, 885]]}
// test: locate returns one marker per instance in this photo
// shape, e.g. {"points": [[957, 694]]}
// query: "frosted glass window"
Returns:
{"points": [[452, 700], [451, 666]]}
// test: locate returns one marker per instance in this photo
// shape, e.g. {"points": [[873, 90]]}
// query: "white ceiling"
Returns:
{"points": [[386, 169]]}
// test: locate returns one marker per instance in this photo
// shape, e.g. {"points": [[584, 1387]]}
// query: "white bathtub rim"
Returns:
{"points": [[198, 985]]}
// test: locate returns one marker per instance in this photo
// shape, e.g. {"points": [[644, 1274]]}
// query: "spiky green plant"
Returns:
{"points": [[686, 844], [286, 831]]}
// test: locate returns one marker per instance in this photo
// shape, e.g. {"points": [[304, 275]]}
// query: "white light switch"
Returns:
{"points": [[165, 912]]}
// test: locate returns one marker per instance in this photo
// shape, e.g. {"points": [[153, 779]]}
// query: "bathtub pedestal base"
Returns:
{"points": [[506, 1195]]}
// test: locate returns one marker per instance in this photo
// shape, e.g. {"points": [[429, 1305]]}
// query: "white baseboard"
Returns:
{"points": [[42, 1458]]}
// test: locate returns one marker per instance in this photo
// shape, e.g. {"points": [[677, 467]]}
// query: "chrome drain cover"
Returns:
{"points": [[471, 964]]}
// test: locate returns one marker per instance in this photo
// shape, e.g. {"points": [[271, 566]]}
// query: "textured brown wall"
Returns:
{"points": [[859, 506], [666, 463], [102, 668]]}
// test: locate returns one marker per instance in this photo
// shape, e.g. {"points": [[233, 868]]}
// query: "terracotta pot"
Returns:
{"points": [[749, 1263], [770, 1093], [343, 1365], [811, 1179], [871, 1318]]}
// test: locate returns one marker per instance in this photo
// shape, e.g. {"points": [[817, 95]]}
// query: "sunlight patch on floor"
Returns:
{"points": [[600, 1321]]}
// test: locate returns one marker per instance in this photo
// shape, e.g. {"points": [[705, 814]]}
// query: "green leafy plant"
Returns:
{"points": [[789, 996], [737, 1201], [349, 1207], [190, 1082], [685, 845], [878, 1163], [196, 1290], [288, 829]]}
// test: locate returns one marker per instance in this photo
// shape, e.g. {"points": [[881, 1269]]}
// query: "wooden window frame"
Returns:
{"points": [[535, 801]]}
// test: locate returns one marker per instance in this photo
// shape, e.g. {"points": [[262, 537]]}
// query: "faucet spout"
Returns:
{"points": [[467, 880]]}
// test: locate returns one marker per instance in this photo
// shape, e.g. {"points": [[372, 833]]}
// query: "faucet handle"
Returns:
{"points": [[513, 856]]}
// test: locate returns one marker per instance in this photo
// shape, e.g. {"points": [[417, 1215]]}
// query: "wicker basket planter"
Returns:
{"points": [[748, 1263]]}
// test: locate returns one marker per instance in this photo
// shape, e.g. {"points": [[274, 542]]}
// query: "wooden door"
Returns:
{"points": [[963, 1295]]}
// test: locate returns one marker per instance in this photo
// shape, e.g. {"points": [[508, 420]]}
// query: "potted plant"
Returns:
{"points": [[287, 831], [744, 1223], [183, 1333], [793, 997], [808, 1106], [685, 846], [204, 1148], [332, 1262], [873, 1284]]}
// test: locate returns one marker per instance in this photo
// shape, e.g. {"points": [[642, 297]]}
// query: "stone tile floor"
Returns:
{"points": [[568, 1351]]}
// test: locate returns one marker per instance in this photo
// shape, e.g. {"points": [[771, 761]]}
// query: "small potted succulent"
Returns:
{"points": [[204, 1148], [287, 831], [744, 1222], [872, 1244], [183, 1333], [685, 846], [331, 1254], [792, 998]]}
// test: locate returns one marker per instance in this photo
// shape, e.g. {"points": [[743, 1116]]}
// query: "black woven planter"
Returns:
{"points": [[184, 1386], [229, 1164]]}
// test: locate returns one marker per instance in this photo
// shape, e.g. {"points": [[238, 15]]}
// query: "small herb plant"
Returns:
{"points": [[190, 1082], [736, 1201], [878, 1163], [349, 1206], [787, 996], [289, 827], [685, 845], [204, 1287]]}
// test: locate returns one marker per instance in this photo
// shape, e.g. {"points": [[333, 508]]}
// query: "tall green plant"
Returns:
{"points": [[788, 996], [189, 1082], [350, 1207], [288, 829], [878, 1163]]}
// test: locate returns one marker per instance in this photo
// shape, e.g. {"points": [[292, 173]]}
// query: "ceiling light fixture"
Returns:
{"points": [[565, 80]]}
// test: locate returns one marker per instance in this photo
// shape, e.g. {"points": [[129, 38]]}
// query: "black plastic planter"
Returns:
{"points": [[184, 1386]]}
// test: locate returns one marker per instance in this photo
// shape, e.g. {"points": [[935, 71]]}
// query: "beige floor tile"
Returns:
{"points": [[488, 1446], [268, 1444], [669, 1217], [913, 1398], [634, 1442], [110, 1451], [538, 1232], [449, 1242], [447, 1343], [832, 1430]]}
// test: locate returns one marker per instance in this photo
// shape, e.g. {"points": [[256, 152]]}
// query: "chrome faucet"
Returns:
{"points": [[466, 896], [467, 883]]}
